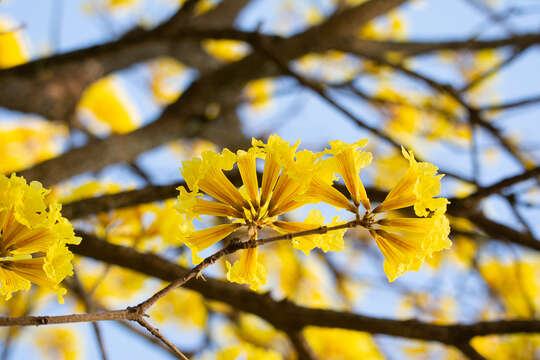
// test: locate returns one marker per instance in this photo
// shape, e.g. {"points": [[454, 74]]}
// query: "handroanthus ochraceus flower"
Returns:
{"points": [[406, 241], [291, 179], [417, 187], [33, 238], [286, 176], [346, 161]]}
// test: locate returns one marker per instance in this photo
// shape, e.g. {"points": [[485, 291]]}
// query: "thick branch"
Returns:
{"points": [[64, 319], [53, 86], [497, 187], [286, 315], [183, 117]]}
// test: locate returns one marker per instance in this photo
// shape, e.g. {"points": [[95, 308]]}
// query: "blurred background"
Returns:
{"points": [[108, 96]]}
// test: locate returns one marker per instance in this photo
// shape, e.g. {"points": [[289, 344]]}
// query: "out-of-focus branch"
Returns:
{"points": [[88, 304], [500, 231], [495, 188], [415, 48], [511, 105], [183, 118], [53, 86]]}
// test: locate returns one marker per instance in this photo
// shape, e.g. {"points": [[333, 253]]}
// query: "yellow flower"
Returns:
{"points": [[184, 305], [331, 241], [348, 163], [247, 351], [285, 178], [321, 189], [329, 344], [191, 204], [388, 169], [278, 154], [59, 343], [13, 49], [202, 239], [29, 141], [163, 72], [292, 183], [226, 50], [33, 238], [107, 106], [406, 242], [114, 5], [417, 187], [260, 93], [247, 270], [517, 283]]}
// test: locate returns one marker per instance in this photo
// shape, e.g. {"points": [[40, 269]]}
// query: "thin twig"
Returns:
{"points": [[469, 351], [157, 334], [79, 288]]}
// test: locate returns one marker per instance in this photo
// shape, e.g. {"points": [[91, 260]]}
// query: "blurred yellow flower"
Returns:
{"points": [[13, 50], [106, 106], [259, 92], [518, 283], [226, 50], [59, 343], [164, 72], [184, 305], [340, 344], [29, 141], [247, 351]]}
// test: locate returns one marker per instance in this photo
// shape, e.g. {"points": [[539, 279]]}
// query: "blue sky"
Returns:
{"points": [[310, 119]]}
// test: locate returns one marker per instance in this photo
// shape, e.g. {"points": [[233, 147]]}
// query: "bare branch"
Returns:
{"points": [[497, 187], [287, 315], [157, 334]]}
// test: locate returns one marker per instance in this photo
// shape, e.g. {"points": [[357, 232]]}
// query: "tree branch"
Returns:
{"points": [[287, 315]]}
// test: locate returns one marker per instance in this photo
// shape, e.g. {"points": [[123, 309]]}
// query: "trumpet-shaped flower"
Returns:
{"points": [[247, 270], [33, 238], [348, 162], [321, 189], [286, 177], [417, 187], [406, 242]]}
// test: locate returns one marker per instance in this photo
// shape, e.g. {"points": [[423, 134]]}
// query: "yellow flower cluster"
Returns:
{"points": [[29, 141], [33, 238], [291, 179]]}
